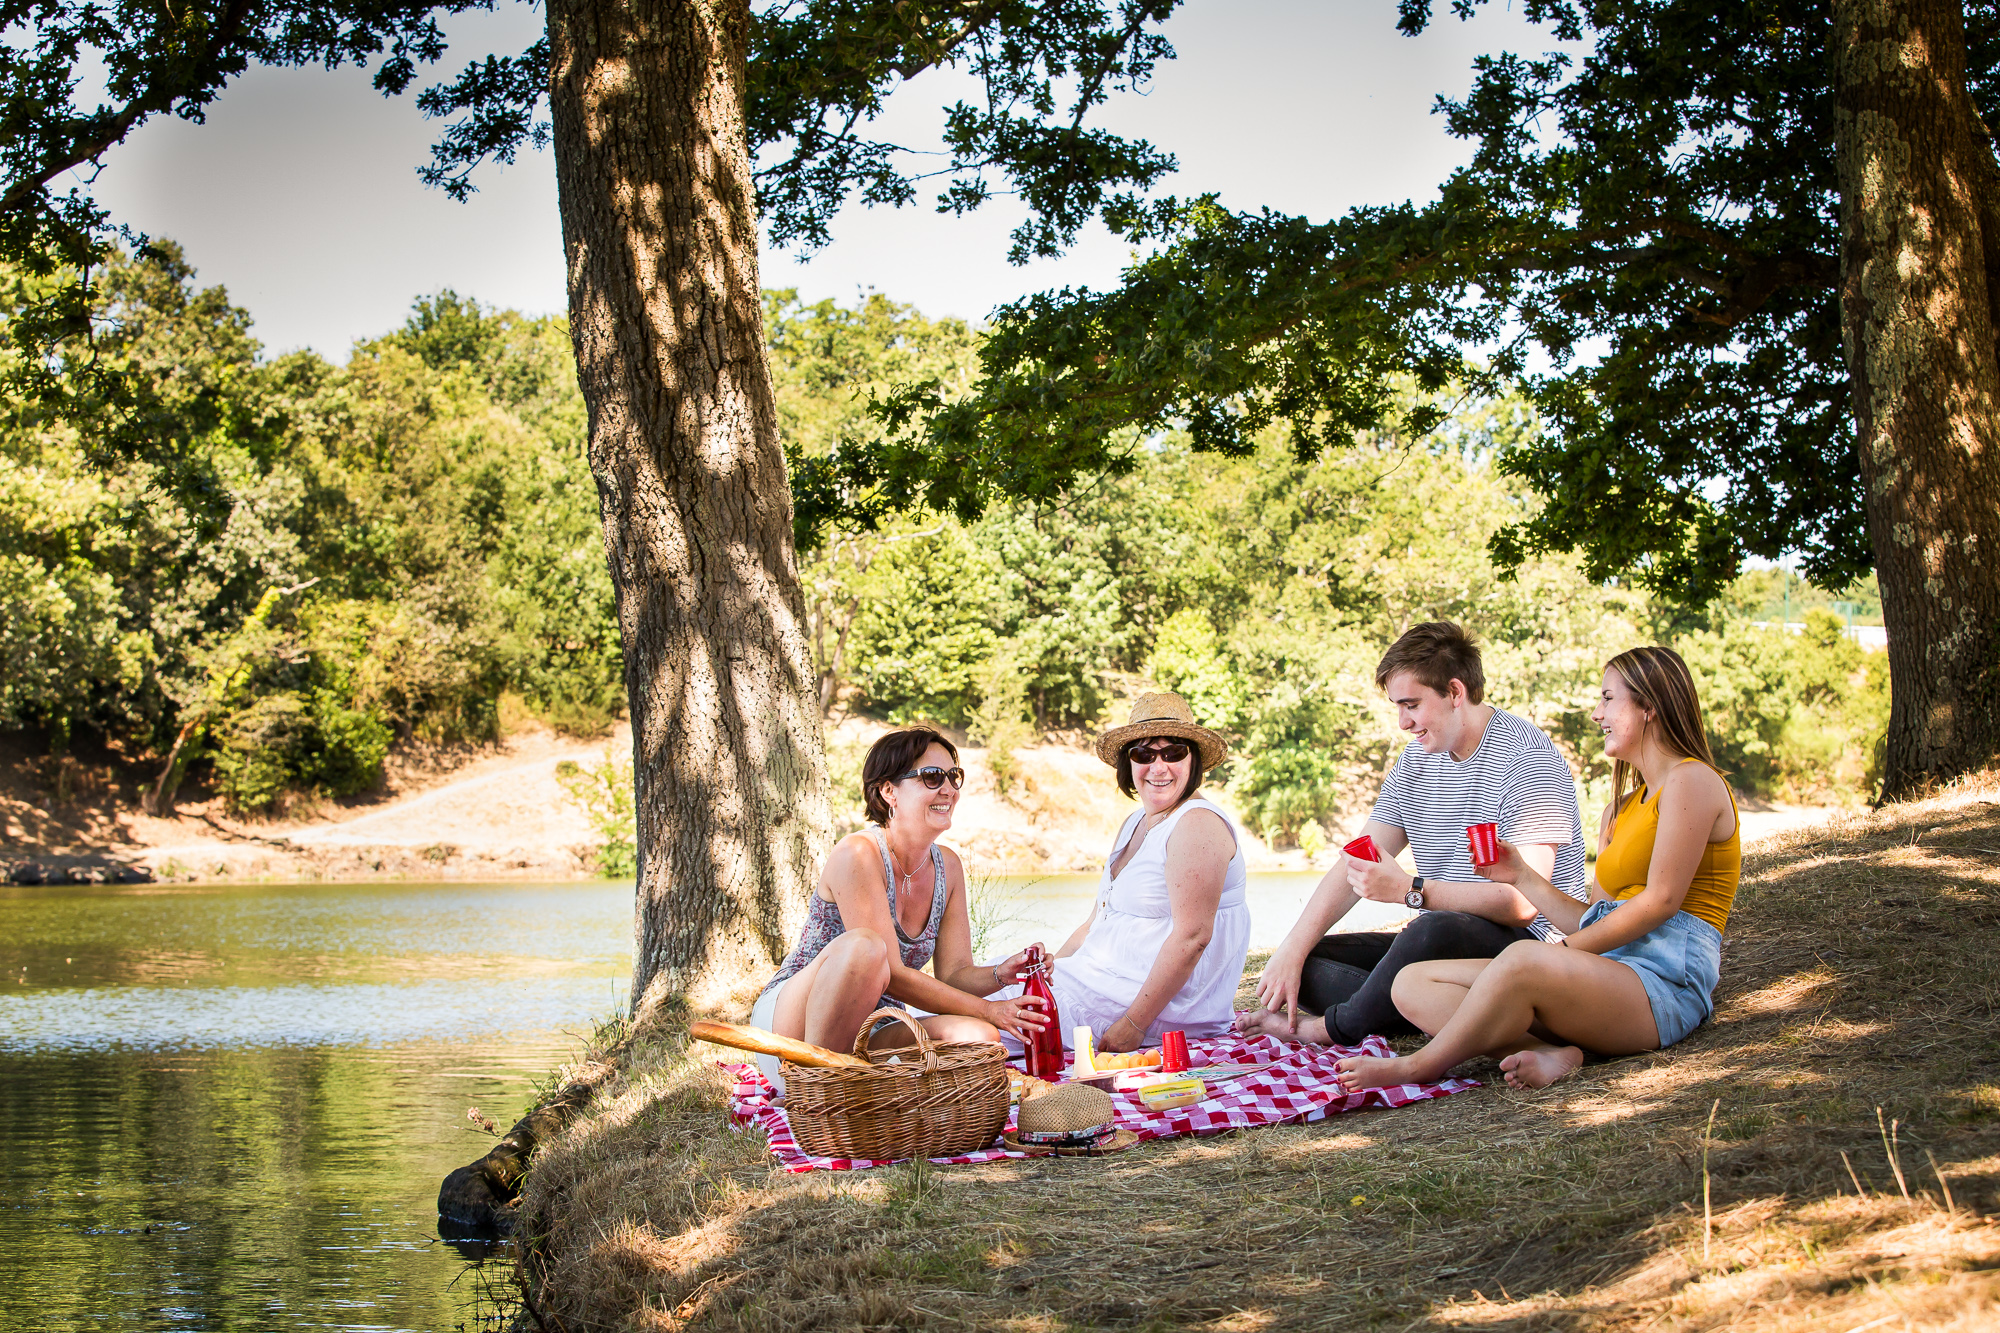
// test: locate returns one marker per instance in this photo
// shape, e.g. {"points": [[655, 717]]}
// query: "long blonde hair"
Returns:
{"points": [[1660, 683]]}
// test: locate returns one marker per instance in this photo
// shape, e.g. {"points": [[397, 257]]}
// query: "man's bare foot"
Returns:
{"points": [[1540, 1066], [1271, 1023], [1367, 1071]]}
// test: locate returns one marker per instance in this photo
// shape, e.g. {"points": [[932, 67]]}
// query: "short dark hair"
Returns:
{"points": [[1131, 788], [1437, 653], [892, 756]]}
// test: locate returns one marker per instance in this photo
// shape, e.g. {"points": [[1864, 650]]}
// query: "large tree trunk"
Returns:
{"points": [[660, 233], [1918, 199]]}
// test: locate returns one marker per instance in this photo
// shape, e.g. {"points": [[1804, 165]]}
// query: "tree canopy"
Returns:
{"points": [[1647, 238], [1647, 234], [80, 76]]}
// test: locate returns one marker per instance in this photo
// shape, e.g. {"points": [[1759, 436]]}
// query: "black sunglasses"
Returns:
{"points": [[937, 777], [1171, 751]]}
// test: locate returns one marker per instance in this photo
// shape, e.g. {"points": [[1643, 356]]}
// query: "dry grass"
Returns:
{"points": [[1861, 971]]}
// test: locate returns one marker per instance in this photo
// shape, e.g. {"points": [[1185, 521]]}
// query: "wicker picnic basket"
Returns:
{"points": [[937, 1100]]}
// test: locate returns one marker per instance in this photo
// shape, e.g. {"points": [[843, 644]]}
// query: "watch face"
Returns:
{"points": [[1414, 898]]}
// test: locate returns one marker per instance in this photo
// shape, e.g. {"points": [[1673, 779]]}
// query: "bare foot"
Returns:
{"points": [[1271, 1023], [1367, 1071], [1540, 1066]]}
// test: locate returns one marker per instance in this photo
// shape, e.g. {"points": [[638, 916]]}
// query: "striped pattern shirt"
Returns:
{"points": [[1515, 779]]}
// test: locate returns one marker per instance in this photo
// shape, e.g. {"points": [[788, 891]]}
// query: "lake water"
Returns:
{"points": [[229, 1107]]}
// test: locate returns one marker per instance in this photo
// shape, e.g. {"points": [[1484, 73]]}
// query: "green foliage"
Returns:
{"points": [[280, 706], [924, 631], [604, 791], [817, 77], [1265, 588], [389, 546], [1649, 212], [1001, 722], [432, 516], [1797, 715], [1188, 659]]}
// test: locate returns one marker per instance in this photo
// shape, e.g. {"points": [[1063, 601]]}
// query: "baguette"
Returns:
{"points": [[770, 1043]]}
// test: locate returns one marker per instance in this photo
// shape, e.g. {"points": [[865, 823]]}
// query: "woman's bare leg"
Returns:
{"points": [[1429, 993], [825, 1003], [960, 1027], [1434, 993], [1590, 1001]]}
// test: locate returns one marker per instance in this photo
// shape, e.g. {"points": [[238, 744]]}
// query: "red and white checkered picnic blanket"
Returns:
{"points": [[1297, 1085]]}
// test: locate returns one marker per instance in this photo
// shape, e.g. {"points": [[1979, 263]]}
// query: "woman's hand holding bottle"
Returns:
{"points": [[1023, 1015]]}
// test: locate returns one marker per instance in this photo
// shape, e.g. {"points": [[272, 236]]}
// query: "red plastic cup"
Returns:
{"points": [[1484, 839], [1364, 848], [1173, 1052]]}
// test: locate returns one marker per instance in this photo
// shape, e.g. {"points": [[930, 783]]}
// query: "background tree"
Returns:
{"points": [[386, 551], [1719, 243]]}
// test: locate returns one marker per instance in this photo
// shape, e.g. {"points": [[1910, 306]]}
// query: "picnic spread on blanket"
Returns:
{"points": [[957, 1103]]}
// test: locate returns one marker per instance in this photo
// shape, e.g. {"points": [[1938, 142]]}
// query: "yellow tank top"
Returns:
{"points": [[1622, 866]]}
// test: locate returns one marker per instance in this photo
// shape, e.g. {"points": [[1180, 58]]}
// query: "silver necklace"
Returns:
{"points": [[894, 869]]}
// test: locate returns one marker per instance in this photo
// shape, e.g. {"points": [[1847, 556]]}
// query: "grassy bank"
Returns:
{"points": [[1860, 980]]}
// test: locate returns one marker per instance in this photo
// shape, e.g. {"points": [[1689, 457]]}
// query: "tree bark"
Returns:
{"points": [[1917, 193], [660, 233]]}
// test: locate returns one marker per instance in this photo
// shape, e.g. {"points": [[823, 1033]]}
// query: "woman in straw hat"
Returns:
{"points": [[1164, 944]]}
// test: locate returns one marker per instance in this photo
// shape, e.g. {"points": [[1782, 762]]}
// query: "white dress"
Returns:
{"points": [[1097, 983]]}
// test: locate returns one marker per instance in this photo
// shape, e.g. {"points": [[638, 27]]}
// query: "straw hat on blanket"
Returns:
{"points": [[1164, 714]]}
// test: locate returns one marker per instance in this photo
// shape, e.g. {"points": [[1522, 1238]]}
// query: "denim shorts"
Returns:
{"points": [[1677, 962]]}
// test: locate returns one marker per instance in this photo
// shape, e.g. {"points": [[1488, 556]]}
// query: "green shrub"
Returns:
{"points": [[1799, 715], [257, 748], [1001, 721], [925, 630], [605, 793], [343, 754]]}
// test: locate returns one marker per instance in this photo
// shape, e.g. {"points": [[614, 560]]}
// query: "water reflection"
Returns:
{"points": [[240, 1188], [231, 1108]]}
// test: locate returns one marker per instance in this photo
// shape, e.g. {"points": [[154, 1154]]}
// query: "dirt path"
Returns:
{"points": [[500, 814]]}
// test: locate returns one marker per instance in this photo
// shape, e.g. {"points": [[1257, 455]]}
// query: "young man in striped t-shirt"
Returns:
{"points": [[1467, 763]]}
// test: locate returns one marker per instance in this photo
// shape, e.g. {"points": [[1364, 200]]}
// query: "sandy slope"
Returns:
{"points": [[502, 815]]}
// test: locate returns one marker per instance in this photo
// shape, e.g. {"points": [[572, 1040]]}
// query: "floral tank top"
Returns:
{"points": [[823, 925]]}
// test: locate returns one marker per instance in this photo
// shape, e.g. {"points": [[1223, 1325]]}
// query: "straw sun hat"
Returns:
{"points": [[1163, 714]]}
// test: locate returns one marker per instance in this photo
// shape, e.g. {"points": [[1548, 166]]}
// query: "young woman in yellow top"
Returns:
{"points": [[1638, 970]]}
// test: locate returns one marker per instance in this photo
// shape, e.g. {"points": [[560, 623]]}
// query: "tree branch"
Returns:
{"points": [[22, 192]]}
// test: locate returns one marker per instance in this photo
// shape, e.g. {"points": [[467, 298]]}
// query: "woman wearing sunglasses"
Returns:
{"points": [[1164, 944], [889, 901]]}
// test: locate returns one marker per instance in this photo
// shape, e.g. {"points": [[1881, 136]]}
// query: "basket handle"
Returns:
{"points": [[924, 1044]]}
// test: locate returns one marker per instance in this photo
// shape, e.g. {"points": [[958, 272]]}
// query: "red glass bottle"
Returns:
{"points": [[1042, 1054]]}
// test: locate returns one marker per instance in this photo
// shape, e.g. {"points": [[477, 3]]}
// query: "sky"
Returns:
{"points": [[300, 193]]}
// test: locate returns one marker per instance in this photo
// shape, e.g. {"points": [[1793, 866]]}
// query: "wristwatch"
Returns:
{"points": [[1415, 897]]}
